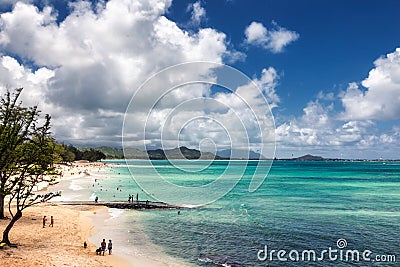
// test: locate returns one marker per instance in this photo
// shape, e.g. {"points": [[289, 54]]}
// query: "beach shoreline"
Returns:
{"points": [[59, 245], [131, 244], [63, 243]]}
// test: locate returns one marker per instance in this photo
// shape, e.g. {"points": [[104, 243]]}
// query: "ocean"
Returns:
{"points": [[304, 214]]}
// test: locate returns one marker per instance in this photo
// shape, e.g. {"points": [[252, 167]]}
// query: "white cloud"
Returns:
{"points": [[13, 2], [256, 33], [320, 131], [380, 100], [274, 40], [239, 118], [198, 13], [85, 69], [308, 129], [330, 96], [94, 60], [281, 38], [267, 83], [358, 131], [13, 75]]}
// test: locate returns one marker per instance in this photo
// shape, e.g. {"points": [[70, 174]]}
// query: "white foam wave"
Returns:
{"points": [[114, 213], [189, 206], [74, 186]]}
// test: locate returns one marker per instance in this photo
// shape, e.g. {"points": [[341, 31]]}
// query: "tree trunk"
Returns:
{"points": [[2, 196], [16, 217]]}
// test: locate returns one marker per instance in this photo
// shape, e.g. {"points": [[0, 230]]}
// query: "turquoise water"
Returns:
{"points": [[300, 206]]}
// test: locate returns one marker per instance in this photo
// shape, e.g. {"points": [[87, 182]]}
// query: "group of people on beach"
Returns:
{"points": [[51, 221], [130, 198], [104, 246]]}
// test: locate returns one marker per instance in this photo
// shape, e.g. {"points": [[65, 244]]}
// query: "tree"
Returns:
{"points": [[16, 124], [35, 165], [93, 155], [77, 154], [59, 151], [62, 154], [68, 156]]}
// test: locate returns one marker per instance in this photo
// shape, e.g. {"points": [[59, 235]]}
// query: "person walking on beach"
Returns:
{"points": [[137, 198], [51, 221], [103, 246], [44, 221], [109, 247], [96, 199]]}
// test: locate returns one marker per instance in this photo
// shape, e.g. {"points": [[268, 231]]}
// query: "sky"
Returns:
{"points": [[329, 71]]}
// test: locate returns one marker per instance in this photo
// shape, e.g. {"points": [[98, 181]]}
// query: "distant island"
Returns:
{"points": [[309, 157]]}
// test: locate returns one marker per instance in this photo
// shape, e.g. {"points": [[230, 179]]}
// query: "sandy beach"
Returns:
{"points": [[62, 245]]}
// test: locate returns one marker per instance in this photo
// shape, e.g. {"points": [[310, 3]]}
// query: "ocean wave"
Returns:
{"points": [[114, 213], [189, 206], [75, 187], [220, 260]]}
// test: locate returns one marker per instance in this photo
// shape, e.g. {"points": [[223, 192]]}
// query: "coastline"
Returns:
{"points": [[130, 244], [63, 244], [55, 246]]}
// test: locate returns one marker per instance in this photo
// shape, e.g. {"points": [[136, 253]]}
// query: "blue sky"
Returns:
{"points": [[339, 40], [329, 69]]}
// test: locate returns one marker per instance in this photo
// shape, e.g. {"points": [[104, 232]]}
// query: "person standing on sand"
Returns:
{"points": [[51, 221], [44, 221], [103, 246], [109, 247]]}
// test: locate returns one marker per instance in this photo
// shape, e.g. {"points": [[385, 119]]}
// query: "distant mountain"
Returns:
{"points": [[176, 153], [187, 153], [239, 154], [111, 152], [309, 157], [134, 153], [118, 153], [180, 153]]}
